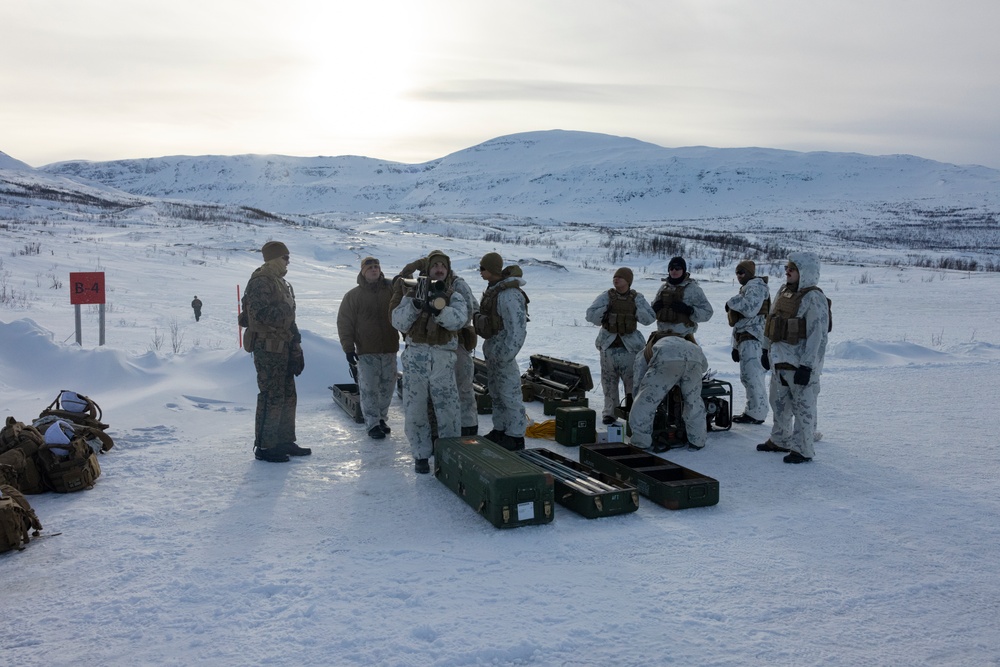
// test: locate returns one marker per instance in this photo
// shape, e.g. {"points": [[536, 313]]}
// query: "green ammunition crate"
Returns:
{"points": [[665, 483], [484, 404], [583, 489], [575, 426], [348, 397], [504, 488], [550, 405]]}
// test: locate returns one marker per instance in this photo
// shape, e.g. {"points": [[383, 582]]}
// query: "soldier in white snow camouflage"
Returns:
{"points": [[430, 330], [464, 366], [618, 312], [746, 312], [680, 306], [674, 360], [503, 324], [795, 338]]}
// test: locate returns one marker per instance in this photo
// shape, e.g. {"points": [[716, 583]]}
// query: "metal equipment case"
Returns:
{"points": [[507, 490], [582, 489], [575, 426], [665, 483], [480, 385], [551, 378], [348, 397]]}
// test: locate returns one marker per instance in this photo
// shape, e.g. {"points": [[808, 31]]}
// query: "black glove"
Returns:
{"points": [[765, 360], [736, 355], [352, 358], [296, 360], [802, 374], [681, 307]]}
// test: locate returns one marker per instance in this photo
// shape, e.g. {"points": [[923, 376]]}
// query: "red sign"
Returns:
{"points": [[86, 287]]}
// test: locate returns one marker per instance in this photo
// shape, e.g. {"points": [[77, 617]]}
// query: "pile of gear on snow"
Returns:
{"points": [[56, 452]]}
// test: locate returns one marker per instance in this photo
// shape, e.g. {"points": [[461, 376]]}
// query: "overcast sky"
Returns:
{"points": [[413, 80]]}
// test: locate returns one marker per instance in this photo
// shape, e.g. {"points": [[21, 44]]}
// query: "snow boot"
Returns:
{"points": [[421, 466], [376, 433], [496, 436], [795, 457], [746, 419], [470, 430], [292, 449], [770, 447], [385, 427], [270, 454]]}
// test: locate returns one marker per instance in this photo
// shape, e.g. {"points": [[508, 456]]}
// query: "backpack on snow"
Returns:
{"points": [[21, 472], [83, 412], [19, 443], [18, 522], [67, 461]]}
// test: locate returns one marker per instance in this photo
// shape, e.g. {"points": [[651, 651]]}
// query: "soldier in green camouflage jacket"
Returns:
{"points": [[274, 340]]}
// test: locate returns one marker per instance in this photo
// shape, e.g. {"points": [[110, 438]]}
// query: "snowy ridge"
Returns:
{"points": [[553, 174]]}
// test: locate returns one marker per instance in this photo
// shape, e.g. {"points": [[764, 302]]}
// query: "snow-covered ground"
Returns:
{"points": [[883, 551]]}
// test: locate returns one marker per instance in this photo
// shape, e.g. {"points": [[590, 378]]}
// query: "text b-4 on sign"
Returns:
{"points": [[86, 287]]}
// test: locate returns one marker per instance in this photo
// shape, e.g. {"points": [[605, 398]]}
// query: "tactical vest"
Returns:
{"points": [[276, 338], [489, 323], [668, 294], [735, 316], [620, 318], [426, 330], [782, 325]]}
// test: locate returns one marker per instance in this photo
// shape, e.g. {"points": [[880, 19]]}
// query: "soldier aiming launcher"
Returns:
{"points": [[429, 294]]}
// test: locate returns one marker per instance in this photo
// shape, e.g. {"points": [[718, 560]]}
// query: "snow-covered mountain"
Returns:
{"points": [[558, 175]]}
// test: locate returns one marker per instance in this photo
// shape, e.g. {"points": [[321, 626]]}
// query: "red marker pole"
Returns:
{"points": [[239, 330]]}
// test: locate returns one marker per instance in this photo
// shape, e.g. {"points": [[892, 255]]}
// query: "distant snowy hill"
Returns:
{"points": [[557, 175], [7, 162]]}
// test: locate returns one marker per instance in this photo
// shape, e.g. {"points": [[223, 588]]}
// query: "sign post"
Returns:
{"points": [[87, 288]]}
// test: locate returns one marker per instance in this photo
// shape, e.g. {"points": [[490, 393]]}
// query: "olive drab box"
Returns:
{"points": [[555, 379], [664, 482], [582, 489], [500, 485], [480, 385], [18, 522], [348, 397], [575, 426]]}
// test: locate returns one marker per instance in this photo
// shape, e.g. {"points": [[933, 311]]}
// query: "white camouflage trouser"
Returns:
{"points": [[665, 370], [504, 381], [465, 373], [376, 382], [793, 408], [429, 373], [752, 375], [617, 363]]}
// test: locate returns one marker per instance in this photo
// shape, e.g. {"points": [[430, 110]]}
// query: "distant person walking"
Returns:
{"points": [[795, 337], [196, 306], [274, 340]]}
